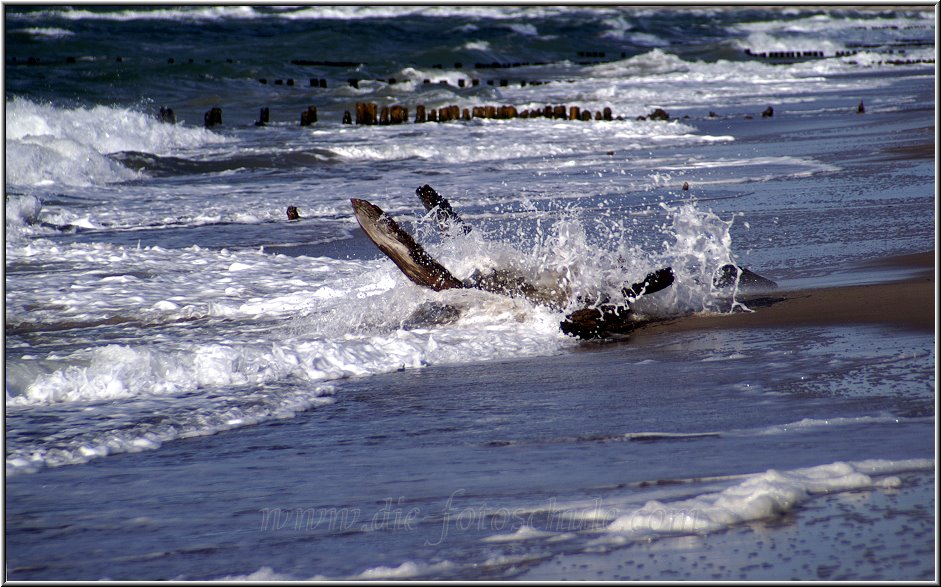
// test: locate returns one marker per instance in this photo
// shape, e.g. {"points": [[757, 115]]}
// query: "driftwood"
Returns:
{"points": [[593, 321], [596, 319], [399, 246], [444, 214]]}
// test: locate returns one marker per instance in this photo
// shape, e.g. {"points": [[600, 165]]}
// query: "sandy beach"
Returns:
{"points": [[907, 303]]}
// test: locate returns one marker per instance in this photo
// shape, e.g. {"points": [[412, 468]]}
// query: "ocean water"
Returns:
{"points": [[198, 388]]}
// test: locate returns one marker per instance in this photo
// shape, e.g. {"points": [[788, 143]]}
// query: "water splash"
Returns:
{"points": [[595, 256]]}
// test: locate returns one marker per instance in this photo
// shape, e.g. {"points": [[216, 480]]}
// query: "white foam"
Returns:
{"points": [[659, 78], [182, 14], [527, 30], [521, 534], [221, 13], [810, 424], [45, 32], [21, 214], [406, 570], [476, 46], [515, 141], [263, 575], [330, 336], [758, 496], [747, 498], [48, 145], [127, 427]]}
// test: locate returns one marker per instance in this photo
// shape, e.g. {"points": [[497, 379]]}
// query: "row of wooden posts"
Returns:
{"points": [[369, 113]]}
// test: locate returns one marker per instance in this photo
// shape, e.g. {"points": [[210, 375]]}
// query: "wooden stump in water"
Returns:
{"points": [[263, 117], [166, 115], [506, 112], [213, 117], [309, 116], [398, 115], [366, 113]]}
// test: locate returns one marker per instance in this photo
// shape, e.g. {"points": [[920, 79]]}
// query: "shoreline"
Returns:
{"points": [[909, 304]]}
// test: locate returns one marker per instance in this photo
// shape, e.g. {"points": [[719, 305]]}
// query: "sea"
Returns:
{"points": [[198, 388]]}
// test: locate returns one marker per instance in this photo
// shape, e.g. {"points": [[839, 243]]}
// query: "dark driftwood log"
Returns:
{"points": [[598, 319], [445, 216], [747, 279], [654, 282], [399, 246], [601, 322]]}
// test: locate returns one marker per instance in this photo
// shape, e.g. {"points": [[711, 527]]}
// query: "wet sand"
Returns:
{"points": [[908, 303]]}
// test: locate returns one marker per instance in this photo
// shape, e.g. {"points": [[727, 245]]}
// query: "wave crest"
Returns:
{"points": [[48, 145]]}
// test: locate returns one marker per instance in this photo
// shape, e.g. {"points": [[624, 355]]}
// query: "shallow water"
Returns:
{"points": [[185, 365], [436, 467]]}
